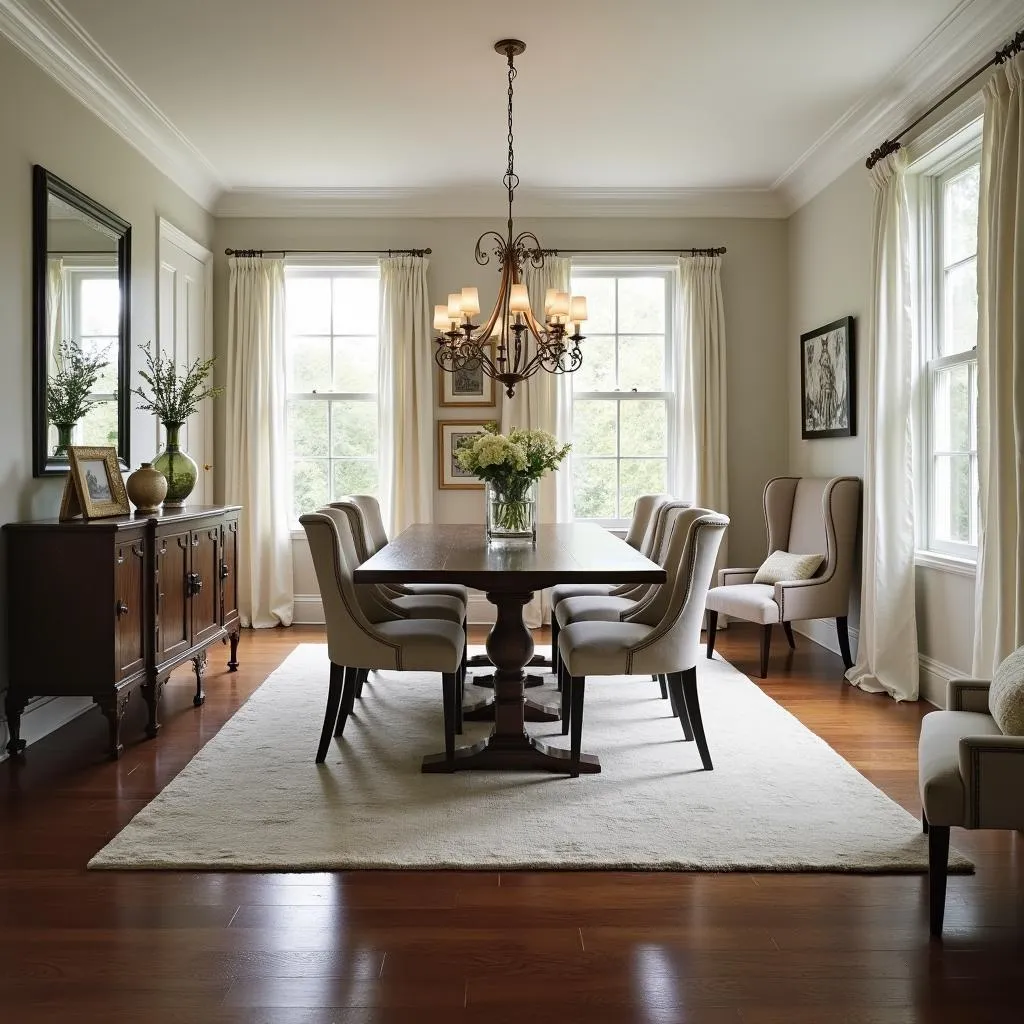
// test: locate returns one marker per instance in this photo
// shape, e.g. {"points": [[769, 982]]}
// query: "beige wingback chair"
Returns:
{"points": [[807, 516], [661, 636], [971, 775]]}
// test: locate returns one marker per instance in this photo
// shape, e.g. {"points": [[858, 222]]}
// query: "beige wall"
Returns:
{"points": [[754, 284], [41, 123], [829, 277]]}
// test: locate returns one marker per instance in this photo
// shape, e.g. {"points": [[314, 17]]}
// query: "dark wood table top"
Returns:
{"points": [[459, 553]]}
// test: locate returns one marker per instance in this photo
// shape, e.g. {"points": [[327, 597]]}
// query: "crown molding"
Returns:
{"points": [[971, 33], [487, 201], [46, 33]]}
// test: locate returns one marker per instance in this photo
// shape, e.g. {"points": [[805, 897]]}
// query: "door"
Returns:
{"points": [[129, 617], [228, 572], [173, 621], [204, 582], [184, 333]]}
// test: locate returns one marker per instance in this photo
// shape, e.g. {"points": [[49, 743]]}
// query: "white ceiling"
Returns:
{"points": [[644, 96]]}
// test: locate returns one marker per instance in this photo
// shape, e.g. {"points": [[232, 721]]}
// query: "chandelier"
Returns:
{"points": [[521, 343]]}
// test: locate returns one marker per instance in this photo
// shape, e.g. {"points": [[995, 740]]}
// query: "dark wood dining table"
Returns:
{"points": [[509, 573]]}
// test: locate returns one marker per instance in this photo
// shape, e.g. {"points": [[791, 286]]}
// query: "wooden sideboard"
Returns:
{"points": [[104, 607]]}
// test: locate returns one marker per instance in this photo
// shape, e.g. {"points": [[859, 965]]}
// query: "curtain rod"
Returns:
{"points": [[328, 252], [1012, 48], [719, 251]]}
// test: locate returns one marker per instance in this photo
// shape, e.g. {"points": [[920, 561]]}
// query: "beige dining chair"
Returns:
{"points": [[355, 642], [659, 637]]}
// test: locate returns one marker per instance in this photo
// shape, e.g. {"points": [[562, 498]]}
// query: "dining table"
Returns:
{"points": [[509, 573]]}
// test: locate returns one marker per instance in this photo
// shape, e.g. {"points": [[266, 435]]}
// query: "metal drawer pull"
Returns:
{"points": [[121, 608], [225, 572], [195, 583]]}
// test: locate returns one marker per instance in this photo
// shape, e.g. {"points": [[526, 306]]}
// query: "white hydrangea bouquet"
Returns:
{"points": [[510, 466]]}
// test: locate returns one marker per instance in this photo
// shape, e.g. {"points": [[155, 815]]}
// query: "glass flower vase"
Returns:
{"points": [[178, 467], [511, 514]]}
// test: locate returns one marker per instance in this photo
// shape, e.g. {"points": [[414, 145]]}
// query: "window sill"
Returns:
{"points": [[946, 563]]}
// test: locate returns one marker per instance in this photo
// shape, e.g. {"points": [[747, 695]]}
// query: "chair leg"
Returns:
{"points": [[565, 685], [465, 649], [348, 697], [578, 686], [361, 678], [924, 822], [663, 683], [449, 684], [766, 646], [460, 693], [844, 640], [331, 713], [679, 706], [688, 685], [556, 661], [712, 631], [788, 627], [938, 861]]}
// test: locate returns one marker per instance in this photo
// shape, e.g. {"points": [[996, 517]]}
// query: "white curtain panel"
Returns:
{"points": [[544, 402], [256, 456], [55, 306], [405, 393], [887, 658], [700, 385], [999, 603]]}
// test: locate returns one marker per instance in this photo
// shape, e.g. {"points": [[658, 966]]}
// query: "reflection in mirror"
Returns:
{"points": [[81, 273]]}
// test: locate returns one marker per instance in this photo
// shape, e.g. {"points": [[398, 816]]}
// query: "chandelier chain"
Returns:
{"points": [[510, 175]]}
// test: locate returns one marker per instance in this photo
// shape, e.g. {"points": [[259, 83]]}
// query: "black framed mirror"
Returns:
{"points": [[81, 288]]}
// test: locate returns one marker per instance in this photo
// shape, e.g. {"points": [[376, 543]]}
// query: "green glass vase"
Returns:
{"points": [[178, 467], [63, 439]]}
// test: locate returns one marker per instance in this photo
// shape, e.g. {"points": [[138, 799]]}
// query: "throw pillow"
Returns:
{"points": [[1006, 694], [781, 566]]}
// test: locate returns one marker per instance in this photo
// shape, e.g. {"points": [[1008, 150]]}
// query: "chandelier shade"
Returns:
{"points": [[513, 343]]}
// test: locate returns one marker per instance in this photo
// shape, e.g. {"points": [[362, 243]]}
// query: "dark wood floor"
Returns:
{"points": [[356, 948]]}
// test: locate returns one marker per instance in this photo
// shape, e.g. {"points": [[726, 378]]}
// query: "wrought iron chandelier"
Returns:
{"points": [[521, 343]]}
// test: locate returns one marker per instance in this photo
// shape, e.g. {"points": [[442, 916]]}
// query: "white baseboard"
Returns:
{"points": [[43, 716], [823, 633], [309, 609]]}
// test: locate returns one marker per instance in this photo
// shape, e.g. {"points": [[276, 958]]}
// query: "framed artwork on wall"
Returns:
{"points": [[828, 393], [467, 387], [450, 475]]}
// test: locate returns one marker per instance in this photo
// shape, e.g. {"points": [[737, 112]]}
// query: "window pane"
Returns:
{"points": [[593, 483], [597, 371], [354, 429], [355, 365], [593, 427], [600, 296], [309, 483], [953, 496], [642, 363], [98, 427], [309, 364], [308, 305], [642, 305], [643, 428], [307, 428], [640, 476], [355, 476], [951, 430], [960, 215], [355, 305], [960, 308], [100, 306]]}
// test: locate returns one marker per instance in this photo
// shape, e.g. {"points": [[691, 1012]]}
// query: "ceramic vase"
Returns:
{"points": [[146, 487]]}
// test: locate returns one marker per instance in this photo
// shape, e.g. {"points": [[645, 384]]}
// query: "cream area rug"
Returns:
{"points": [[779, 799]]}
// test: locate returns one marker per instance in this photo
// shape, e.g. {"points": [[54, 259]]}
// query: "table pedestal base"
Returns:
{"points": [[533, 711], [529, 755]]}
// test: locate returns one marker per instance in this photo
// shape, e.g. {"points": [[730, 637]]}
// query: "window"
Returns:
{"points": [[949, 338], [622, 404], [331, 325]]}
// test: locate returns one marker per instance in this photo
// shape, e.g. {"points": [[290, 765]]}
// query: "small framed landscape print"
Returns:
{"points": [[828, 395], [450, 434], [467, 387], [94, 487]]}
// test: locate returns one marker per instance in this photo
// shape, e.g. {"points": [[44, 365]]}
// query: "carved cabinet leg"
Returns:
{"points": [[152, 693], [199, 667], [113, 708], [233, 639], [13, 707]]}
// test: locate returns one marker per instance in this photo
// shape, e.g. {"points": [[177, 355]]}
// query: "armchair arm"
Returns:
{"points": [[799, 599], [967, 695], [992, 768], [731, 577]]}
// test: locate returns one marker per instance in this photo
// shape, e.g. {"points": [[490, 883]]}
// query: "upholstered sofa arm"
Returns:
{"points": [[967, 695], [802, 599], [732, 577], [992, 769]]}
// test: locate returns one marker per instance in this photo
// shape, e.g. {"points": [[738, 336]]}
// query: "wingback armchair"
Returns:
{"points": [[803, 515]]}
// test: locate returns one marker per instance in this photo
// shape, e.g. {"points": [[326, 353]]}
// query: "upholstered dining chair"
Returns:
{"points": [[659, 637], [805, 516], [971, 766], [355, 642]]}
